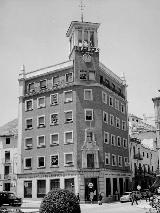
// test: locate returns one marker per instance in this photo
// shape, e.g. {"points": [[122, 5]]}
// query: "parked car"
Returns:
{"points": [[9, 198], [125, 197]]}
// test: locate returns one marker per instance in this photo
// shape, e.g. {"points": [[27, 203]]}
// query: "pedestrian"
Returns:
{"points": [[91, 195], [147, 195], [78, 197], [134, 198], [100, 199]]}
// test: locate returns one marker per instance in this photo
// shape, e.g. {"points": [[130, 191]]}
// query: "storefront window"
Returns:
{"points": [[41, 188]]}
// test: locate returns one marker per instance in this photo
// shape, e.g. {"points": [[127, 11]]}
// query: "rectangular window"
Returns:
{"points": [[118, 141], [41, 188], [118, 123], [29, 105], [7, 156], [105, 117], [69, 77], [113, 140], [27, 163], [41, 162], [114, 160], [7, 140], [41, 102], [110, 101], [125, 143], [120, 161], [68, 137], [88, 94], [89, 135], [69, 184], [91, 38], [107, 158], [124, 125], [41, 141], [54, 119], [6, 170], [104, 97], [56, 81], [54, 184], [68, 96], [41, 121], [54, 160], [54, 139], [68, 159], [122, 108], [88, 114], [83, 75], [111, 120], [31, 87], [27, 189], [90, 161], [68, 116], [91, 75], [54, 99], [116, 104], [85, 37], [106, 137], [28, 143], [29, 123], [126, 163], [43, 84]]}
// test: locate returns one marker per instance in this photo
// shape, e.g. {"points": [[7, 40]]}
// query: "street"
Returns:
{"points": [[33, 206]]}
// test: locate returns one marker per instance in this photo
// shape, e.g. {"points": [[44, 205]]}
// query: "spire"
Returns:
{"points": [[82, 6]]}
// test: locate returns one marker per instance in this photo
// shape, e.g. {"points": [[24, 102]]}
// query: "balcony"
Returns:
{"points": [[7, 177], [138, 156]]}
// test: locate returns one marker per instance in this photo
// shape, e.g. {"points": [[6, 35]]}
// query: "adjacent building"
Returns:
{"points": [[8, 156], [73, 124], [143, 152]]}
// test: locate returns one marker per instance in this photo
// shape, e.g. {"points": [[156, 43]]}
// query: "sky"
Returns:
{"points": [[33, 33]]}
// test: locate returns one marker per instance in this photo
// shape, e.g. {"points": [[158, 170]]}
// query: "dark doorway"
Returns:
{"points": [[108, 187], [91, 186], [114, 185], [121, 186]]}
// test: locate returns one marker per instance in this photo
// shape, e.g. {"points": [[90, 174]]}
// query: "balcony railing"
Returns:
{"points": [[138, 156], [7, 177]]}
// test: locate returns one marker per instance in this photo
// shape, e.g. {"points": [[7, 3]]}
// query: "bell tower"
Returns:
{"points": [[84, 50], [82, 36]]}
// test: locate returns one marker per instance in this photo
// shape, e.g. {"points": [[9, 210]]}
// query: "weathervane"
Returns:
{"points": [[82, 6]]}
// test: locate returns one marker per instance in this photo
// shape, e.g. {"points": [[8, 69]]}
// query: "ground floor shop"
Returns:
{"points": [[110, 184]]}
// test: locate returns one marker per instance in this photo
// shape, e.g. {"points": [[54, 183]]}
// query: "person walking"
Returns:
{"points": [[100, 199], [134, 198], [91, 195]]}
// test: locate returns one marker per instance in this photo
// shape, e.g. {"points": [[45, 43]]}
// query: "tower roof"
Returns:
{"points": [[79, 24]]}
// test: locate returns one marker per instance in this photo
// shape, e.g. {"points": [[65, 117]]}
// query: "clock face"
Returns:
{"points": [[87, 58]]}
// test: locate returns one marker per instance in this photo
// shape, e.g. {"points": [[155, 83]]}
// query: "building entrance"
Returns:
{"points": [[91, 188]]}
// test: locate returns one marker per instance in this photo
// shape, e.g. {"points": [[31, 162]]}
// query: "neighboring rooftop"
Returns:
{"points": [[10, 128]]}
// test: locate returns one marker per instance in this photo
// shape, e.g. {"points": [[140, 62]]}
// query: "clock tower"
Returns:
{"points": [[84, 50]]}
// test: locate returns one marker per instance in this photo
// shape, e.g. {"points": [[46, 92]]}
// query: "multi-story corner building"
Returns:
{"points": [[8, 156], [73, 123]]}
